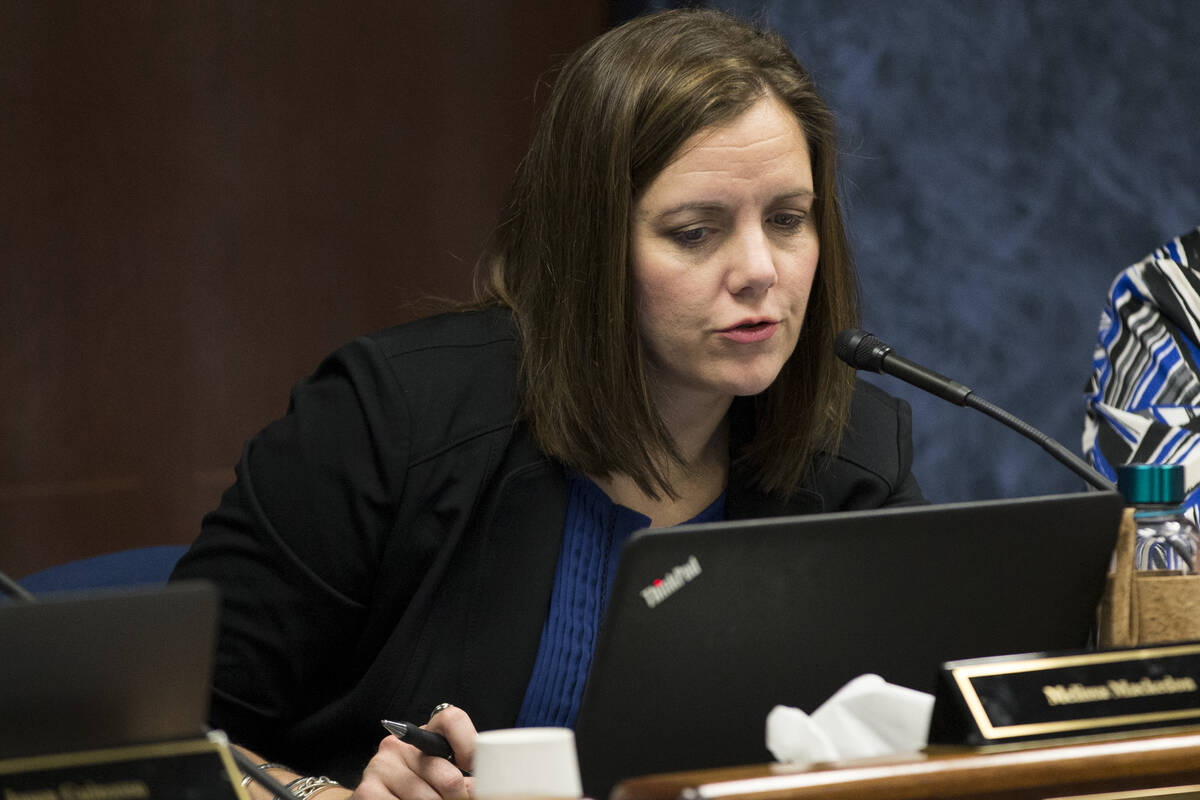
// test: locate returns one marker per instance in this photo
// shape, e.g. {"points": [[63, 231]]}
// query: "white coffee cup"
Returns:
{"points": [[526, 763]]}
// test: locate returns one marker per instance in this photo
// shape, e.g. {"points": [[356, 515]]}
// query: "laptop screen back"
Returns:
{"points": [[709, 626], [106, 669]]}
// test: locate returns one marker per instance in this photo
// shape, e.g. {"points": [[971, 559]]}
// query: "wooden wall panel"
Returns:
{"points": [[200, 200]]}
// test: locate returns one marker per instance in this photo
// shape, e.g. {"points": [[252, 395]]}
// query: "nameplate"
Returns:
{"points": [[1036, 697], [194, 769]]}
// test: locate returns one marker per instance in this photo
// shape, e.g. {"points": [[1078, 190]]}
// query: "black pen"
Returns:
{"points": [[428, 742]]}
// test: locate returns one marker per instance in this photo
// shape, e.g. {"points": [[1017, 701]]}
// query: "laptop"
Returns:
{"points": [[104, 669], [711, 625]]}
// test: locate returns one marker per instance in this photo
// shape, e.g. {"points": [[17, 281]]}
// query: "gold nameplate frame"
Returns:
{"points": [[193, 769], [1041, 696]]}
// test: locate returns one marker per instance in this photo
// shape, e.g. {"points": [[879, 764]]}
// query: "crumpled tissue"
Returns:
{"points": [[866, 717]]}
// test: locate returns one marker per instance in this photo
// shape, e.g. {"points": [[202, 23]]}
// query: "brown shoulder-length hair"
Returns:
{"points": [[620, 110]]}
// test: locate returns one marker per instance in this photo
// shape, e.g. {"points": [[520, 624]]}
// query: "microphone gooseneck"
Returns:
{"points": [[865, 351], [15, 590], [251, 770]]}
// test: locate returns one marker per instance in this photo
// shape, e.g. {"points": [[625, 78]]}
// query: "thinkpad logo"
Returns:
{"points": [[672, 582]]}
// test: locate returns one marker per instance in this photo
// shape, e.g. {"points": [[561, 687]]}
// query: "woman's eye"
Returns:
{"points": [[786, 220], [690, 236]]}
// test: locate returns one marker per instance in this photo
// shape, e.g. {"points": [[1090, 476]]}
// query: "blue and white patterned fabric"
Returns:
{"points": [[1143, 399]]}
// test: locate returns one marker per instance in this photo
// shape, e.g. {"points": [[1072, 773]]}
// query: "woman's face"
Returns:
{"points": [[724, 250]]}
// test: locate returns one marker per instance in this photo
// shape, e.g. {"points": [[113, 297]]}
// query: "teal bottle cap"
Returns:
{"points": [[1151, 484]]}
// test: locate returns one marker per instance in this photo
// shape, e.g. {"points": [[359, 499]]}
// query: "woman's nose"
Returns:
{"points": [[752, 270]]}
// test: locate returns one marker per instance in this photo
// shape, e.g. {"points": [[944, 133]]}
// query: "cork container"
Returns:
{"points": [[1140, 608]]}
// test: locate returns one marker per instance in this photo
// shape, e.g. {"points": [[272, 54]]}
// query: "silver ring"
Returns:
{"points": [[439, 708]]}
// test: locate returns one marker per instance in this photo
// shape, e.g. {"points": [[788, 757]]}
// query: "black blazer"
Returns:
{"points": [[390, 544]]}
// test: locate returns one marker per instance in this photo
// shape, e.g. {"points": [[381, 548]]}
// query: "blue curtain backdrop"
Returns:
{"points": [[1001, 161]]}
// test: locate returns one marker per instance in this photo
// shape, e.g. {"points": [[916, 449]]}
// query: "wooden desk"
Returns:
{"points": [[1099, 771]]}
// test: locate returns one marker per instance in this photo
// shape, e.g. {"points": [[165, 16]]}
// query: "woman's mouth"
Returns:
{"points": [[749, 332]]}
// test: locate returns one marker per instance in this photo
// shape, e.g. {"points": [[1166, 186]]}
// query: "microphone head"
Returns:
{"points": [[860, 349]]}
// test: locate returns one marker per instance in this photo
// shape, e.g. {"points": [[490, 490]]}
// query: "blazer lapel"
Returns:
{"points": [[516, 567]]}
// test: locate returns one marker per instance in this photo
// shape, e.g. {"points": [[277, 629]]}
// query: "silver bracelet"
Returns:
{"points": [[303, 788]]}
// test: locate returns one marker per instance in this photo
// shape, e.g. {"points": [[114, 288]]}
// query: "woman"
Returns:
{"points": [[1144, 390], [654, 345]]}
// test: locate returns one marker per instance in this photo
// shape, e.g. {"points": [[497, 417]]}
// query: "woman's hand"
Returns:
{"points": [[399, 770]]}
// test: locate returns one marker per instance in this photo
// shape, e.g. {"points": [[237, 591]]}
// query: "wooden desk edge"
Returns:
{"points": [[929, 774]]}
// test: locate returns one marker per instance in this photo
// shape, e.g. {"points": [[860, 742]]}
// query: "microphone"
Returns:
{"points": [[865, 351]]}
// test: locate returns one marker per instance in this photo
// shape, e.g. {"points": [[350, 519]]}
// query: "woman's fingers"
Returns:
{"points": [[399, 770], [455, 724]]}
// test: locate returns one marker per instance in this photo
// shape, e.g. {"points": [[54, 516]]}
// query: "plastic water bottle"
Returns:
{"points": [[1167, 540]]}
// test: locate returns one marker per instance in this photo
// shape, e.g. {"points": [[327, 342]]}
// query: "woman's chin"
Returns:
{"points": [[749, 385]]}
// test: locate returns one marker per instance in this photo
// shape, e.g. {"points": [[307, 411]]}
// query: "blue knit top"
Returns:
{"points": [[595, 530]]}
